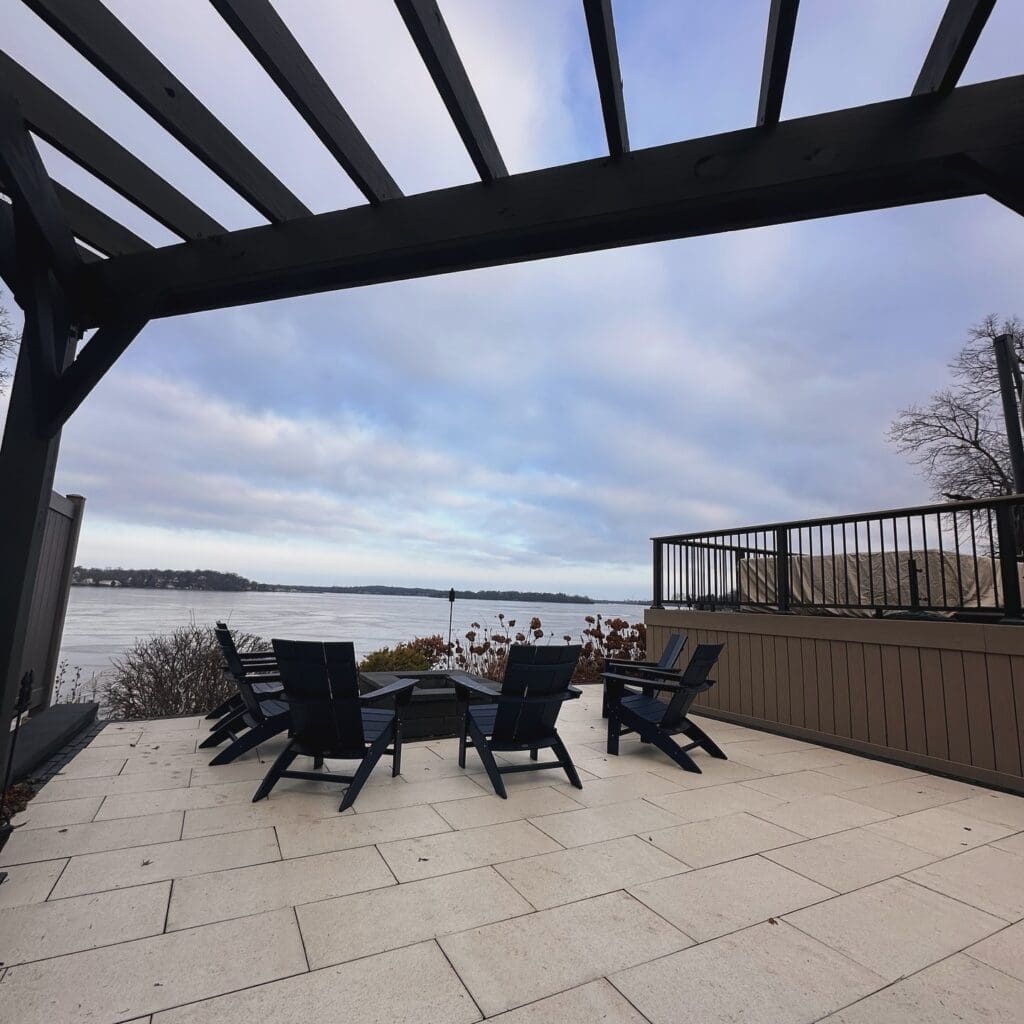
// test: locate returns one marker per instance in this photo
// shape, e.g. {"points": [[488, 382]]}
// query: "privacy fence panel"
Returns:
{"points": [[50, 597], [941, 695]]}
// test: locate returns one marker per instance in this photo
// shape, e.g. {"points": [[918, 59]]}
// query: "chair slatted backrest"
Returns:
{"points": [[670, 655], [321, 685], [533, 672], [237, 670], [692, 682]]}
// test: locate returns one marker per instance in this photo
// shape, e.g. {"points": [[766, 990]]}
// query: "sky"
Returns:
{"points": [[530, 426]]}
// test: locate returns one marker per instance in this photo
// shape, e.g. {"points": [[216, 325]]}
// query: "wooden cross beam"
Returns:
{"points": [[952, 46], [777, 48], [601, 28]]}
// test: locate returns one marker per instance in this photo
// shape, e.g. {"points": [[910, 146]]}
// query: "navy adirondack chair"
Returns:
{"points": [[331, 720], [667, 662], [656, 721], [240, 662], [263, 714], [522, 715]]}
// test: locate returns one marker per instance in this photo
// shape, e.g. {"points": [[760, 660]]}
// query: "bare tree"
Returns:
{"points": [[958, 437], [8, 346]]}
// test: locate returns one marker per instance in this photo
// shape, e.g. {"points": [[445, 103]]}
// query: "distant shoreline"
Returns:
{"points": [[220, 582]]}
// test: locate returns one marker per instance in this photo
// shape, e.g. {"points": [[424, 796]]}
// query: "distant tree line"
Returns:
{"points": [[211, 579]]}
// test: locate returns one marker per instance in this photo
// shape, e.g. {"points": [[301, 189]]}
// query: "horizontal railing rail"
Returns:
{"points": [[961, 559]]}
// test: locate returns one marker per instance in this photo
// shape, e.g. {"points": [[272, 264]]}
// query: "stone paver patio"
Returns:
{"points": [[791, 883]]}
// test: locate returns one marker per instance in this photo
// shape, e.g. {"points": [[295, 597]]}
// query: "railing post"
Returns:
{"points": [[658, 595], [782, 569], [1006, 534]]}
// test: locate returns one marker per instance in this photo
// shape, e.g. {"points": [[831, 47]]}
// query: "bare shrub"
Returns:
{"points": [[418, 655], [180, 673]]}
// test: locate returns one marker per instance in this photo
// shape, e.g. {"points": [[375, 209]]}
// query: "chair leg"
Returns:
{"points": [[318, 763], [702, 739], [368, 763], [533, 754], [668, 746], [563, 756], [604, 701], [490, 765], [462, 740], [614, 727], [221, 733], [231, 704], [280, 765], [253, 738], [396, 757]]}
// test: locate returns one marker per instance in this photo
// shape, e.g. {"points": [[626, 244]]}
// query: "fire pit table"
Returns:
{"points": [[431, 713]]}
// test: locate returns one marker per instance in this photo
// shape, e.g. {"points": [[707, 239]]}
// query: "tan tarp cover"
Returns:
{"points": [[837, 580]]}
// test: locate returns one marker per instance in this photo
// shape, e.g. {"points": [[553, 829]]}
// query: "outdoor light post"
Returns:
{"points": [[451, 610]]}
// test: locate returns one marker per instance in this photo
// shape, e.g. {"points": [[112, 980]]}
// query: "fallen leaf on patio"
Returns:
{"points": [[771, 920], [146, 862]]}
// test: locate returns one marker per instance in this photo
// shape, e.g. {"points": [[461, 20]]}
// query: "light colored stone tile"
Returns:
{"points": [[956, 990], [130, 805], [1004, 951], [72, 840], [627, 762], [92, 769], [346, 832], [531, 780], [865, 772], [415, 985], [596, 824], [989, 879], [798, 785], [237, 892], [903, 797], [943, 831], [373, 922], [619, 789], [764, 745], [238, 771], [384, 798], [713, 772], [587, 1004], [410, 859], [565, 876], [845, 861], [59, 788], [116, 736], [29, 883], [118, 869], [795, 761], [123, 981], [279, 809], [820, 815], [159, 725], [554, 950], [997, 808], [714, 801], [475, 811], [702, 843], [144, 747], [1011, 844], [59, 927], [50, 814], [726, 897], [768, 974], [895, 927]]}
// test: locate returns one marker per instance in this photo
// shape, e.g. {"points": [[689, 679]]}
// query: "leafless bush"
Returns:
{"points": [[180, 673]]}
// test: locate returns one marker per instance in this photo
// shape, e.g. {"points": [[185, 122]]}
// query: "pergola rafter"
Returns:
{"points": [[943, 142]]}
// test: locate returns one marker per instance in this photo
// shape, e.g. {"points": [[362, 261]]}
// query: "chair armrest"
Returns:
{"points": [[615, 663], [652, 684], [397, 688], [465, 682], [654, 673]]}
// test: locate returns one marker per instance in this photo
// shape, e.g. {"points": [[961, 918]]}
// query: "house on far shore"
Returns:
{"points": [[107, 583]]}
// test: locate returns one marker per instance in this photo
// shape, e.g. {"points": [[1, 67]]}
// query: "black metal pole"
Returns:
{"points": [[451, 610], [1003, 346]]}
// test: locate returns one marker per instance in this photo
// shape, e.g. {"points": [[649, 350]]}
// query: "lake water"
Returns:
{"points": [[102, 622]]}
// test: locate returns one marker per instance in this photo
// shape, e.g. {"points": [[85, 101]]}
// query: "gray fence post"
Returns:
{"points": [[782, 569], [657, 599]]}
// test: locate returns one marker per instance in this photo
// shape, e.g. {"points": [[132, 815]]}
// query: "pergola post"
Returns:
{"points": [[28, 459]]}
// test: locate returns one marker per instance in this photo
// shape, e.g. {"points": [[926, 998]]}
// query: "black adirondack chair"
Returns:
{"points": [[522, 715], [330, 719], [263, 715], [241, 661], [657, 722], [667, 662]]}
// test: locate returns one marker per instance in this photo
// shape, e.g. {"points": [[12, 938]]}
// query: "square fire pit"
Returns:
{"points": [[431, 713]]}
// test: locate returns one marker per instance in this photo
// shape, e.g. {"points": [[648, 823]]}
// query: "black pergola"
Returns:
{"points": [[71, 267]]}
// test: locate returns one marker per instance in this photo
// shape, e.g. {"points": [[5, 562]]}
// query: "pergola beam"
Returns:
{"points": [[269, 40], [64, 128], [32, 193], [952, 46], [1001, 175], [777, 48], [601, 28], [430, 34], [107, 44], [871, 157], [96, 228]]}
